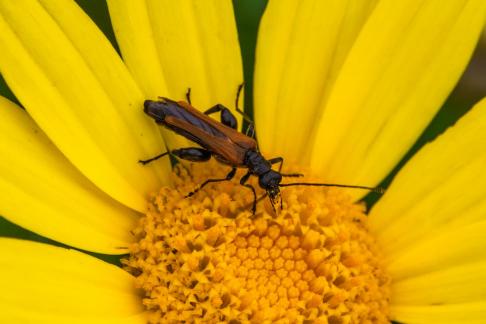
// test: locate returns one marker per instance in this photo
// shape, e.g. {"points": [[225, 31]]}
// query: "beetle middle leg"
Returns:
{"points": [[281, 160], [243, 181], [193, 154], [228, 177]]}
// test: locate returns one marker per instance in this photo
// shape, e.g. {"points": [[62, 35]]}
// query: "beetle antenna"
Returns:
{"points": [[379, 190]]}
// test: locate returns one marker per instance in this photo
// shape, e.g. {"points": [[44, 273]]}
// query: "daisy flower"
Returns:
{"points": [[342, 90]]}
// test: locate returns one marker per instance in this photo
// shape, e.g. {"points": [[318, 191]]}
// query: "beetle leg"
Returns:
{"points": [[194, 154], [188, 95], [280, 160], [277, 160], [228, 177], [250, 129], [147, 161], [227, 118], [245, 178], [237, 106], [243, 181]]}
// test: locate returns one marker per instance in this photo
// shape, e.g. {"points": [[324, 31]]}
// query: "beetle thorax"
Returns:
{"points": [[256, 163]]}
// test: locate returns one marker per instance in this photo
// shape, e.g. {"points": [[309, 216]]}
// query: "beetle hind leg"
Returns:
{"points": [[227, 118], [228, 177]]}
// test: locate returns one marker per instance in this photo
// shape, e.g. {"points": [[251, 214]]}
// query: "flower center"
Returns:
{"points": [[207, 258]]}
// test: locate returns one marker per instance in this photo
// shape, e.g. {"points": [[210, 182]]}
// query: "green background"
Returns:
{"points": [[247, 15]]}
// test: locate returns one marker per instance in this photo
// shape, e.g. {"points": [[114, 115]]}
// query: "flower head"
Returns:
{"points": [[209, 258]]}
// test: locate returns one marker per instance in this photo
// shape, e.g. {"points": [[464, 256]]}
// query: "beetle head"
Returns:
{"points": [[270, 182]]}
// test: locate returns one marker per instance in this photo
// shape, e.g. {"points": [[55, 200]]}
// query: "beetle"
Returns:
{"points": [[224, 142]]}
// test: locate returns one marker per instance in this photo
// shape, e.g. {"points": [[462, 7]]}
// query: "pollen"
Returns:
{"points": [[207, 259]]}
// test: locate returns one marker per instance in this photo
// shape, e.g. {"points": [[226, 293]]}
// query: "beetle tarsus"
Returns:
{"points": [[188, 95]]}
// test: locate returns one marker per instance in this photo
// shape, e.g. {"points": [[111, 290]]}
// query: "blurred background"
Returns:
{"points": [[470, 89]]}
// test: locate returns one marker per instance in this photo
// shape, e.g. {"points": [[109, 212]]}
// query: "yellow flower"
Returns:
{"points": [[342, 89]]}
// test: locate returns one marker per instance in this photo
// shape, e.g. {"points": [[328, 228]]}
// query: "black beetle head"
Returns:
{"points": [[270, 182]]}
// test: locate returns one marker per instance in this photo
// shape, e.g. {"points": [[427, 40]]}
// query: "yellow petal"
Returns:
{"points": [[42, 192], [453, 285], [470, 313], [301, 48], [170, 46], [74, 85], [452, 247], [440, 188], [400, 70], [47, 284]]}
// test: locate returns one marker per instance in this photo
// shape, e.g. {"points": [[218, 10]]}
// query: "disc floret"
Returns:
{"points": [[208, 259]]}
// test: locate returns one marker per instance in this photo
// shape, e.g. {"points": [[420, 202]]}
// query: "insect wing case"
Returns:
{"points": [[223, 141]]}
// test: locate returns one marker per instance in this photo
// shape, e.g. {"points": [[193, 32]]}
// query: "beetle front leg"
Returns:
{"points": [[243, 181], [280, 160], [277, 160], [193, 154]]}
